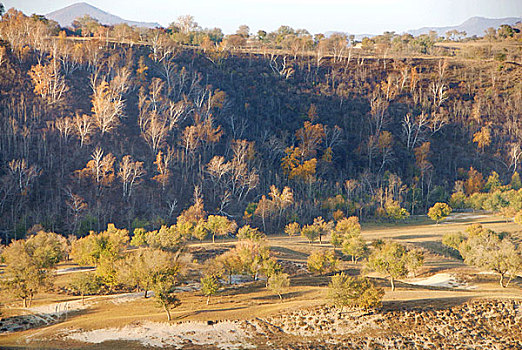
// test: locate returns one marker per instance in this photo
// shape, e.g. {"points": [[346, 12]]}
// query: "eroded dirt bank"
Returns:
{"points": [[475, 324]]}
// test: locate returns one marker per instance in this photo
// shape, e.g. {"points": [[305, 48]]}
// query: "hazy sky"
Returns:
{"points": [[354, 16]]}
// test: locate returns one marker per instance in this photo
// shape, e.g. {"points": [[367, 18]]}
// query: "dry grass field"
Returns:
{"points": [[443, 283]]}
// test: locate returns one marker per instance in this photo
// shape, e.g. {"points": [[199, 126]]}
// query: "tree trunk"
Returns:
{"points": [[392, 282], [145, 295], [280, 296], [208, 299], [502, 281], [213, 238], [83, 298], [509, 280], [24, 302], [168, 313]]}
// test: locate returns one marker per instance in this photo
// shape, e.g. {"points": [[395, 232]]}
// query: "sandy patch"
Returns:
{"points": [[74, 269], [464, 216], [58, 309], [127, 297], [41, 316], [444, 280], [51, 313], [189, 287], [224, 335]]}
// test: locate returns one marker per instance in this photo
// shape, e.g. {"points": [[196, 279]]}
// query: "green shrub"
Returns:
{"points": [[360, 292]]}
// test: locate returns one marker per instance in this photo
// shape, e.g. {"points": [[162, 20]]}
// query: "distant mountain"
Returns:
{"points": [[473, 26], [68, 14]]}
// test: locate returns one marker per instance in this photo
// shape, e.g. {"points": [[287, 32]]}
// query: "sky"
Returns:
{"points": [[317, 16]]}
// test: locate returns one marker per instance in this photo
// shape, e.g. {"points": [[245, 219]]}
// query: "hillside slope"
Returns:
{"points": [[360, 135]]}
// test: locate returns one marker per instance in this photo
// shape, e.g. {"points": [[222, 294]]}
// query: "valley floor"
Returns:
{"points": [[447, 305]]}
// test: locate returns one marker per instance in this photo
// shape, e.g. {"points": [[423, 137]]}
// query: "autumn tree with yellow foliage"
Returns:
{"points": [[482, 138], [107, 107], [49, 82]]}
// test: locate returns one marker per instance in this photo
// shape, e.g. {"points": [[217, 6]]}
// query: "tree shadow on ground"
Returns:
{"points": [[286, 296], [320, 280], [244, 288], [436, 247], [288, 252], [416, 236], [211, 309]]}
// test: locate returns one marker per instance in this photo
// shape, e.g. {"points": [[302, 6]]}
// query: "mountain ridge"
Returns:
{"points": [[65, 16], [472, 26]]}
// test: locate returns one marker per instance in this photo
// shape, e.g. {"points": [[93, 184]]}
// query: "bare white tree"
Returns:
{"points": [[514, 156], [130, 174], [84, 127], [108, 106], [65, 127], [23, 173]]}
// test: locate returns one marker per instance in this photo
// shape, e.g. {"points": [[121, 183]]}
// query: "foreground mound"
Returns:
{"points": [[477, 324]]}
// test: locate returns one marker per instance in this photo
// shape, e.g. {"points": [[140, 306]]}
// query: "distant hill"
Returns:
{"points": [[358, 37], [68, 14], [473, 26]]}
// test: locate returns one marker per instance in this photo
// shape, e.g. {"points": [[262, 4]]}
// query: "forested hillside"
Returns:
{"points": [[99, 129]]}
